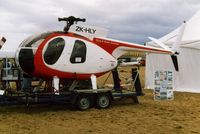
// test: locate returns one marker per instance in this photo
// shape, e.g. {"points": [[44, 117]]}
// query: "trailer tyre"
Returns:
{"points": [[83, 102], [103, 101]]}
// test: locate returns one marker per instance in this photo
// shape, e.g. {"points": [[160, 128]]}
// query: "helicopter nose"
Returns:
{"points": [[26, 60]]}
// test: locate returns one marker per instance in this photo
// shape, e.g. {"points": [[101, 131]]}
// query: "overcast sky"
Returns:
{"points": [[128, 20]]}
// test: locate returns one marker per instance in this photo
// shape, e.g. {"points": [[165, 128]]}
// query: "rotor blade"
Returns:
{"points": [[123, 64], [160, 43]]}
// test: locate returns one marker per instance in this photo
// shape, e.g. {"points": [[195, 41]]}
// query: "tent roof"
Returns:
{"points": [[190, 37]]}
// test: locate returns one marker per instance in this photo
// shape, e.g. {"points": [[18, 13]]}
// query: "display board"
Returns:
{"points": [[163, 85]]}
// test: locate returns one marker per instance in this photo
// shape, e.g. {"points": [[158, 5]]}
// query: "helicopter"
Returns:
{"points": [[79, 52]]}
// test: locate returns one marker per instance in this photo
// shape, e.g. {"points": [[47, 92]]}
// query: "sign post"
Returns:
{"points": [[163, 85]]}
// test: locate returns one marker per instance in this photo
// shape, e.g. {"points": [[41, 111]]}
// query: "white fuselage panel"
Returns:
{"points": [[97, 59]]}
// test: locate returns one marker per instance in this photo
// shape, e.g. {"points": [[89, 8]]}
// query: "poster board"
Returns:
{"points": [[163, 85]]}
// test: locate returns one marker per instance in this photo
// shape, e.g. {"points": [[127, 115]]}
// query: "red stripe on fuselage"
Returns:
{"points": [[110, 46]]}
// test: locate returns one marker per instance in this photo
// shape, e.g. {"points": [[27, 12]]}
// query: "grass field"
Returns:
{"points": [[179, 116]]}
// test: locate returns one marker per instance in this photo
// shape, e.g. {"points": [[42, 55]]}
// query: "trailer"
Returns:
{"points": [[82, 99], [76, 93]]}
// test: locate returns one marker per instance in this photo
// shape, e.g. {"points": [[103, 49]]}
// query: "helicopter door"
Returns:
{"points": [[78, 54]]}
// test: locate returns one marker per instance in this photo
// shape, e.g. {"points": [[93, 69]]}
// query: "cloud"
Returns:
{"points": [[128, 20]]}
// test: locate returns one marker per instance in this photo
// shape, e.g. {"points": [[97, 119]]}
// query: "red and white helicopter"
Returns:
{"points": [[80, 52]]}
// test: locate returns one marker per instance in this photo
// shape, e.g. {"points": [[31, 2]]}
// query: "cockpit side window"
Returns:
{"points": [[79, 52], [54, 50]]}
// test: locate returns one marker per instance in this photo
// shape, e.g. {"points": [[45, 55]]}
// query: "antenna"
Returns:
{"points": [[70, 21]]}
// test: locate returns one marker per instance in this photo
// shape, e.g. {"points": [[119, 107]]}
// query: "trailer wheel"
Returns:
{"points": [[83, 102], [103, 101]]}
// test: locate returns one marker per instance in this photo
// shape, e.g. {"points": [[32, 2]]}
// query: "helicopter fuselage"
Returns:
{"points": [[65, 55]]}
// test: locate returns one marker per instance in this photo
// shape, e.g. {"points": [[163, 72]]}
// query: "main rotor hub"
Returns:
{"points": [[70, 21]]}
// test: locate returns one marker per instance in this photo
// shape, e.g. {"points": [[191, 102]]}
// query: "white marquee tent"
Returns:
{"points": [[188, 77]]}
